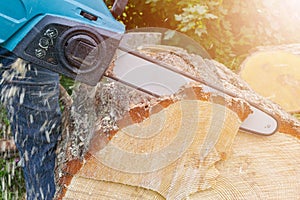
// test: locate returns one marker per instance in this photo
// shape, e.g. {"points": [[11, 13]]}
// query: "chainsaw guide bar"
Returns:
{"points": [[159, 79]]}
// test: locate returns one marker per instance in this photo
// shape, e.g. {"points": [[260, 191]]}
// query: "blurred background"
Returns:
{"points": [[228, 29]]}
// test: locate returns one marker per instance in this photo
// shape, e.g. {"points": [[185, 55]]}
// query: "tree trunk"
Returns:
{"points": [[186, 146]]}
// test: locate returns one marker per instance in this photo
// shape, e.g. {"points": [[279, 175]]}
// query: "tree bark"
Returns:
{"points": [[171, 148], [187, 146]]}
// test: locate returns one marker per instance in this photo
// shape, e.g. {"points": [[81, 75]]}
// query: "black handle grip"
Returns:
{"points": [[118, 7]]}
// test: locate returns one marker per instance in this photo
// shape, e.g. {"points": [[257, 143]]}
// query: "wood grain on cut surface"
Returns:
{"points": [[235, 165], [259, 168], [191, 148], [173, 152], [85, 188], [276, 76]]}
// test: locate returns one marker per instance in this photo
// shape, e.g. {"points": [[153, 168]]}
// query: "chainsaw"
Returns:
{"points": [[79, 38]]}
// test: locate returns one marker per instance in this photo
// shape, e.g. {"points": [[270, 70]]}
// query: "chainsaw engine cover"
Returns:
{"points": [[70, 48], [76, 38]]}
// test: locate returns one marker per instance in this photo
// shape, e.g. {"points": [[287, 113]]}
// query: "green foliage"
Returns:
{"points": [[4, 123], [12, 183], [67, 83], [297, 116], [193, 18], [228, 29]]}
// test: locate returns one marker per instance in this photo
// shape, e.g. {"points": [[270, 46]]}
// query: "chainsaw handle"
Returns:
{"points": [[118, 7]]}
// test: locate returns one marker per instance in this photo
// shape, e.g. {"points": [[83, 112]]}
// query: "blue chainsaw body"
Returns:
{"points": [[74, 38]]}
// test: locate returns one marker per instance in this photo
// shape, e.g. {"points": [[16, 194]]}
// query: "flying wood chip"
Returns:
{"points": [[185, 146]]}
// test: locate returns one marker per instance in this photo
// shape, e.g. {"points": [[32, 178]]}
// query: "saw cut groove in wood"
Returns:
{"points": [[275, 74], [215, 73], [174, 159]]}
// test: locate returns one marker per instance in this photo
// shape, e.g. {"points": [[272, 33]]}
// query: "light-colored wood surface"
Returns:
{"points": [[219, 162], [173, 153], [274, 75], [259, 168], [85, 188], [235, 165]]}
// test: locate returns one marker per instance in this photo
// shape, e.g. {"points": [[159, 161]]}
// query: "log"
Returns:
{"points": [[162, 144], [261, 171], [259, 168], [185, 146], [273, 72]]}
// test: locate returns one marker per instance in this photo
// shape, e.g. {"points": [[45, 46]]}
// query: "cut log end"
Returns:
{"points": [[159, 145], [276, 76], [188, 146]]}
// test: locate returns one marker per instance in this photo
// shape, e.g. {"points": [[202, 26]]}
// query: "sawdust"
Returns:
{"points": [[12, 180], [18, 69], [96, 110]]}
